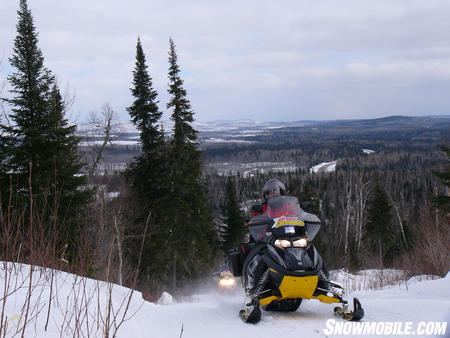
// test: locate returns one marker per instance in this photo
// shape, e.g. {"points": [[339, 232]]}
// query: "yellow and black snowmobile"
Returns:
{"points": [[224, 277], [282, 266]]}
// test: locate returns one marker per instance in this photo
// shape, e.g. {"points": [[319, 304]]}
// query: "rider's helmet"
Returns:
{"points": [[272, 188]]}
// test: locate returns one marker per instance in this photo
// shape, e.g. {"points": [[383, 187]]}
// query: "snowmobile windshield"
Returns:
{"points": [[289, 218], [278, 206], [283, 218]]}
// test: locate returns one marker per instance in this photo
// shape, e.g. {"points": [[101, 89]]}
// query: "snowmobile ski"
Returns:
{"points": [[355, 315], [254, 316]]}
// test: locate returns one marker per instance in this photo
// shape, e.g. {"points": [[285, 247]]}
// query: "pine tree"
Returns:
{"points": [[31, 85], [66, 199], [148, 172], [184, 134], [381, 235], [442, 201], [309, 198], [188, 222], [234, 232], [41, 143], [186, 164], [144, 110]]}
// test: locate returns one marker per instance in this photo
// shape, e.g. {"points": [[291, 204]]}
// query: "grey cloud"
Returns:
{"points": [[252, 58]]}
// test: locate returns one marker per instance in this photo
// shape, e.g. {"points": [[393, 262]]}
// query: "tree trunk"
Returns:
{"points": [[348, 190], [119, 248], [174, 274], [380, 253]]}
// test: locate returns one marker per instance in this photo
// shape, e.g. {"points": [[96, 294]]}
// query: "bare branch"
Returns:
{"points": [[102, 124]]}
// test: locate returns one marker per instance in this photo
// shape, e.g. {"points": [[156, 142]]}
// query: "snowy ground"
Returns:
{"points": [[80, 306], [327, 167], [250, 169]]}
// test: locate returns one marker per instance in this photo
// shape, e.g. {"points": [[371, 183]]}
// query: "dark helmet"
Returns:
{"points": [[272, 188]]}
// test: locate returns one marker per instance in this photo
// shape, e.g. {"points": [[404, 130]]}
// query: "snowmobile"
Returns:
{"points": [[284, 265], [224, 277]]}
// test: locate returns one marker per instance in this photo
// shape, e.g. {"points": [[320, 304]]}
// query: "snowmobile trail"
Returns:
{"points": [[215, 314]]}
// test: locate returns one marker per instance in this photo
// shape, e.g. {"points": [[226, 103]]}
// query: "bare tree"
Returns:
{"points": [[362, 193], [119, 240], [102, 125], [348, 203], [389, 178]]}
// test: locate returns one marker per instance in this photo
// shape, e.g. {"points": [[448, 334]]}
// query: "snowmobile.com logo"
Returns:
{"points": [[384, 328]]}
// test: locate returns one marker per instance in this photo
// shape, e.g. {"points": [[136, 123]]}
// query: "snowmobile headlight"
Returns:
{"points": [[282, 243], [300, 243], [227, 282]]}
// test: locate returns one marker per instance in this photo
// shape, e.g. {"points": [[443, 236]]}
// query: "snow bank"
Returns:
{"points": [[375, 279], [79, 307], [165, 299], [62, 304]]}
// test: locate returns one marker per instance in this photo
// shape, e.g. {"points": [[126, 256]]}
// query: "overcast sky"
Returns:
{"points": [[261, 60]]}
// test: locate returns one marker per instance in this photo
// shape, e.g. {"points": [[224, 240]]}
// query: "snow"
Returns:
{"points": [[111, 195], [324, 167], [133, 142], [221, 140], [208, 313], [250, 169], [368, 151], [165, 299]]}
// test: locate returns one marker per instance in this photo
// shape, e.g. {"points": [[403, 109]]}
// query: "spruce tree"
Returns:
{"points": [[442, 200], [31, 85], [189, 224], [310, 199], [381, 236], [148, 171], [144, 111], [42, 146], [67, 200], [234, 231]]}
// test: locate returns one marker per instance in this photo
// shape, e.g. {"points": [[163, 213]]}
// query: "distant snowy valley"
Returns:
{"points": [[216, 133]]}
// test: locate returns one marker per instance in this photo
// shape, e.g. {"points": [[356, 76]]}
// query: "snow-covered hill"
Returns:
{"points": [[84, 307]]}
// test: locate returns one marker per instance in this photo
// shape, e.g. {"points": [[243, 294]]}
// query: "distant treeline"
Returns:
{"points": [[402, 177]]}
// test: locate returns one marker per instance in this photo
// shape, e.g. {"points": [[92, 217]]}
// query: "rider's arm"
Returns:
{"points": [[259, 209]]}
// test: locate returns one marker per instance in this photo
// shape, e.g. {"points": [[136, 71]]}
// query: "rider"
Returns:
{"points": [[273, 187], [256, 266]]}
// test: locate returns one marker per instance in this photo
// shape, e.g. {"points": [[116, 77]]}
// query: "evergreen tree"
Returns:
{"points": [[66, 199], [309, 200], [188, 229], [147, 173], [185, 155], [144, 110], [381, 236], [41, 144], [234, 231], [442, 201], [31, 84]]}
